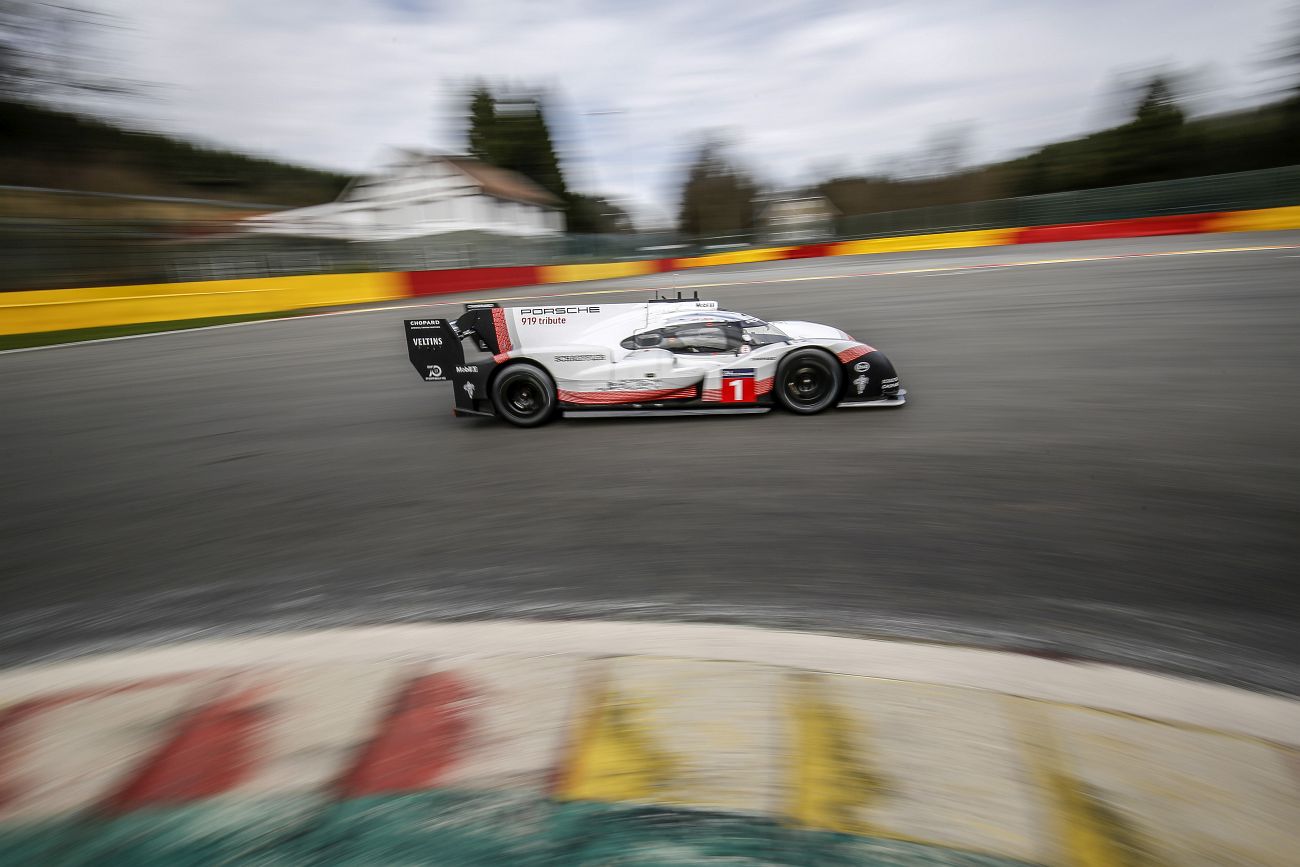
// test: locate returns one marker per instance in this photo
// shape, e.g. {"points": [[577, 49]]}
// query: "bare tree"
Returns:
{"points": [[947, 150], [49, 53]]}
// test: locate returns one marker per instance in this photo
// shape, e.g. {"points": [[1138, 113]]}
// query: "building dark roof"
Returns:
{"points": [[492, 180], [503, 183]]}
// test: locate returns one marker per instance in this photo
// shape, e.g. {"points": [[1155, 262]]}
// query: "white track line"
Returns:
{"points": [[1104, 687], [940, 269]]}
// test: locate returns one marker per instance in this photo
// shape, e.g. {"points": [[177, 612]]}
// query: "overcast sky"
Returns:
{"points": [[800, 86]]}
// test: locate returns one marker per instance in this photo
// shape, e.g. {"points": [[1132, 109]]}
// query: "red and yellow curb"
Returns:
{"points": [[976, 756], [98, 307]]}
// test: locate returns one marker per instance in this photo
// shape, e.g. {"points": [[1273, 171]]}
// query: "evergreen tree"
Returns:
{"points": [[718, 197], [594, 215], [520, 140], [482, 122], [512, 133], [1151, 146]]}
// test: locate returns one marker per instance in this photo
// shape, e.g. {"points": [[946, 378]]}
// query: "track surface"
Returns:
{"points": [[1100, 459]]}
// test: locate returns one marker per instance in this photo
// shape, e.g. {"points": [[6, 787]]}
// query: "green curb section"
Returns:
{"points": [[451, 829], [571, 758]]}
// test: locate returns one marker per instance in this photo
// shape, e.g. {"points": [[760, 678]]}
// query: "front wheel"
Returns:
{"points": [[524, 395], [807, 381]]}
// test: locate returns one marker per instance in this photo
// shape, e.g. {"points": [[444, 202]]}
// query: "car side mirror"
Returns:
{"points": [[647, 341]]}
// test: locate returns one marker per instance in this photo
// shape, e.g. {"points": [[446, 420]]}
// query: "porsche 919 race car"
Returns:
{"points": [[669, 356]]}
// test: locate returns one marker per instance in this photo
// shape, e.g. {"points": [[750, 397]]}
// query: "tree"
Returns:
{"points": [[520, 140], [1155, 143], [1286, 58], [47, 55], [718, 196], [1152, 146], [945, 152], [511, 132], [482, 122], [597, 215], [1158, 107]]}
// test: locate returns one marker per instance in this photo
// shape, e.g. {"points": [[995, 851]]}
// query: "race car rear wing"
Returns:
{"points": [[437, 351], [484, 321], [434, 345], [434, 348]]}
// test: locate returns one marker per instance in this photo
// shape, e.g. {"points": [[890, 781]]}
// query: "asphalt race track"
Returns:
{"points": [[1100, 459]]}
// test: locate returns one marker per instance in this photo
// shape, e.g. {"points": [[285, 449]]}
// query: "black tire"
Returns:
{"points": [[524, 395], [808, 381]]}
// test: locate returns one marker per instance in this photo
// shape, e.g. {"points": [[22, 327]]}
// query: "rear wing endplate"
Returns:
{"points": [[434, 348]]}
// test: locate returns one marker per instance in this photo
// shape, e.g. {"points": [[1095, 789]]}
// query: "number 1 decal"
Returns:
{"points": [[737, 386]]}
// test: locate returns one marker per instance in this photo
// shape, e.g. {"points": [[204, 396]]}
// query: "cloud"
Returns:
{"points": [[797, 84]]}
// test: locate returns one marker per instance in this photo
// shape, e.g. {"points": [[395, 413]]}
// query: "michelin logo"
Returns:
{"points": [[861, 383], [469, 389]]}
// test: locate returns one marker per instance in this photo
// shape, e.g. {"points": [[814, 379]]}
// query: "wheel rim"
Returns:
{"points": [[524, 397], [806, 384]]}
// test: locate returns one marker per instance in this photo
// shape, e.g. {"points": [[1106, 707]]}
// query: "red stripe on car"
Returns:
{"points": [[847, 355], [612, 397], [503, 332]]}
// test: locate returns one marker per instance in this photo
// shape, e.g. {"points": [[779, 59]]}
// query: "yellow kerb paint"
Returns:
{"points": [[616, 756], [1089, 831], [595, 271], [833, 784], [96, 307], [734, 257], [1263, 220], [940, 241]]}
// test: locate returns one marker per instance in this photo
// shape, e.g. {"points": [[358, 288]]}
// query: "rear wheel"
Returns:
{"points": [[807, 381], [524, 395]]}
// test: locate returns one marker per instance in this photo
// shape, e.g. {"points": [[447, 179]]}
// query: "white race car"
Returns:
{"points": [[669, 356]]}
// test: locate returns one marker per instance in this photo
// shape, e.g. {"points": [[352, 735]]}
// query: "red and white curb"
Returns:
{"points": [[976, 750]]}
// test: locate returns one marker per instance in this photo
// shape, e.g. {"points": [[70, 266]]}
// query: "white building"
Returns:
{"points": [[420, 194], [792, 218]]}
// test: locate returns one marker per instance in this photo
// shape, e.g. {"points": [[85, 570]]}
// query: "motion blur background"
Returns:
{"points": [[1091, 449], [151, 141], [1073, 226]]}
